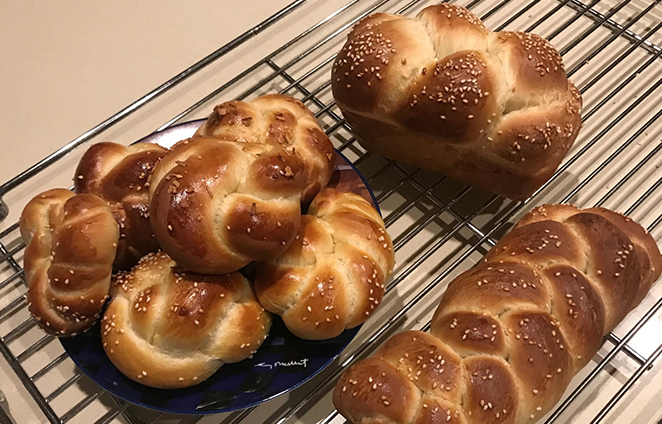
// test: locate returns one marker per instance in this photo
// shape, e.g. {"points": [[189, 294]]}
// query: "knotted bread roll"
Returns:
{"points": [[120, 175], [332, 277], [440, 91], [168, 328], [71, 242], [280, 120], [509, 334], [216, 205]]}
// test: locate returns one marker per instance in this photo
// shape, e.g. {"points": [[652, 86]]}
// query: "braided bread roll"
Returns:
{"points": [[71, 242], [332, 277], [168, 328], [441, 92], [280, 120], [216, 205], [120, 175], [509, 334]]}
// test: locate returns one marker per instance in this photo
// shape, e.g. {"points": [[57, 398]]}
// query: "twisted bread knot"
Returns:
{"points": [[71, 243], [120, 175], [282, 121], [442, 92], [217, 205], [169, 328], [332, 277], [509, 334]]}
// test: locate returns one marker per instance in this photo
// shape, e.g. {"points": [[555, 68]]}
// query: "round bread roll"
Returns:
{"points": [[282, 121], [218, 205], [119, 175], [440, 91], [332, 277], [71, 242], [168, 328]]}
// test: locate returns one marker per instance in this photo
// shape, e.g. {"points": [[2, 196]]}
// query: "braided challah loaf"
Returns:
{"points": [[168, 328], [71, 242], [442, 92], [119, 175], [282, 121], [216, 205], [332, 277], [509, 334]]}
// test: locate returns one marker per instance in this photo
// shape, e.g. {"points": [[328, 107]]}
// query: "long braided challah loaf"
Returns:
{"points": [[216, 205], [509, 334], [71, 242], [280, 120], [169, 328], [440, 91], [332, 277], [120, 176]]}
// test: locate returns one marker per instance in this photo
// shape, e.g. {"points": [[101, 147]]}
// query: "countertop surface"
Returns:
{"points": [[67, 66]]}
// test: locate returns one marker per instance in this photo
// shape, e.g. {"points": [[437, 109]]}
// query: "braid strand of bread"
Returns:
{"points": [[509, 334]]}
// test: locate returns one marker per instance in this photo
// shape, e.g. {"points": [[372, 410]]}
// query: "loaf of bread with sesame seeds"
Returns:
{"points": [[120, 175], [169, 328], [332, 277], [71, 242], [280, 120], [509, 334], [440, 91]]}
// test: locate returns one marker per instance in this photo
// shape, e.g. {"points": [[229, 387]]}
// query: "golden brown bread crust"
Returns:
{"points": [[119, 175], [441, 92], [332, 277], [168, 328], [216, 205], [71, 242], [282, 121], [516, 328]]}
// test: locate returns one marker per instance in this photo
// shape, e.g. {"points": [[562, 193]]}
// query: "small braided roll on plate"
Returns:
{"points": [[218, 205], [509, 334], [169, 328], [231, 194], [332, 277], [120, 175], [282, 121], [71, 243], [440, 91]]}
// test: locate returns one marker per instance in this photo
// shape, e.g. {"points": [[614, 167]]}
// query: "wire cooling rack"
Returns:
{"points": [[612, 52]]}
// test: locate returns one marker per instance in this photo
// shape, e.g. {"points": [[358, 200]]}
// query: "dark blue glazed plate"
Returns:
{"points": [[282, 363]]}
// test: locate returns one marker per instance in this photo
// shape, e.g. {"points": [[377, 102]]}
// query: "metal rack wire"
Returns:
{"points": [[612, 51]]}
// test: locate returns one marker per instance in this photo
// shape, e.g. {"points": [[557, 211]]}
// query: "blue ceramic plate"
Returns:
{"points": [[282, 363]]}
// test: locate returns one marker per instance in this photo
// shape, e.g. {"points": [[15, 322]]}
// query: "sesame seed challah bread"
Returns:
{"points": [[440, 91], [169, 328], [71, 243], [509, 334], [280, 120], [119, 175], [332, 277]]}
